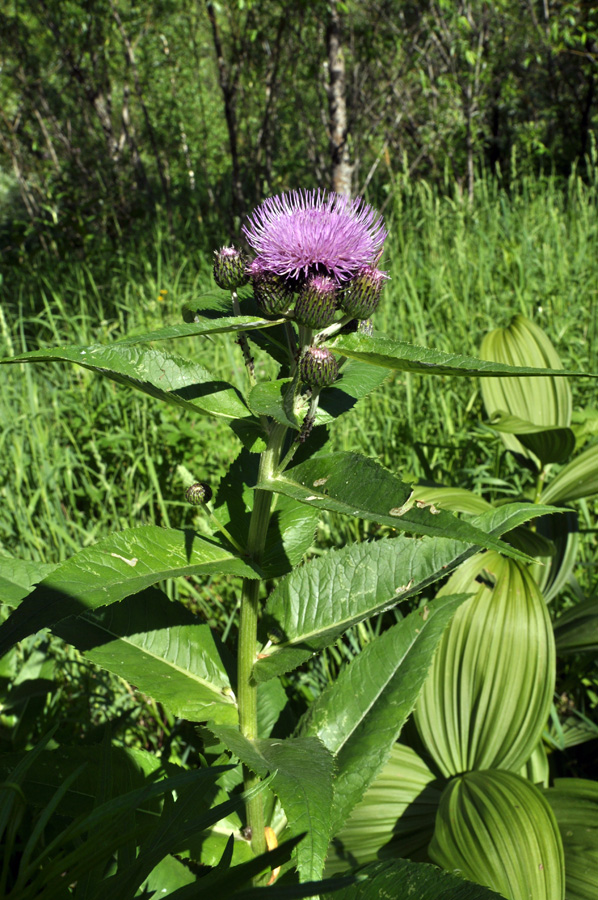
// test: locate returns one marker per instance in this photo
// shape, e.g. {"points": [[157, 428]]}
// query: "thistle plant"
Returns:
{"points": [[303, 302]]}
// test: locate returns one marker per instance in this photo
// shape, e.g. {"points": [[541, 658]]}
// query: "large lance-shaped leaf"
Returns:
{"points": [[302, 780], [165, 376], [552, 572], [319, 601], [395, 818], [391, 354], [574, 802], [161, 648], [18, 577], [576, 630], [361, 715], [208, 325], [114, 568], [357, 486], [488, 695], [576, 480], [402, 879], [532, 401], [496, 828]]}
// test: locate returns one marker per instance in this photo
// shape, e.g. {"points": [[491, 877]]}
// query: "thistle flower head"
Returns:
{"points": [[361, 294], [316, 304], [318, 367], [315, 232], [198, 493], [230, 268], [271, 291]]}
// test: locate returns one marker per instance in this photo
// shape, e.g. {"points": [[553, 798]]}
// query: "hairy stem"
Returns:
{"points": [[247, 652]]}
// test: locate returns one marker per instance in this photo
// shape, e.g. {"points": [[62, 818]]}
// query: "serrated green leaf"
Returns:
{"points": [[402, 879], [161, 648], [360, 716], [317, 602], [358, 486], [574, 802], [395, 818], [268, 398], [391, 354], [496, 828], [222, 325], [576, 480], [18, 577], [487, 699], [165, 376], [302, 780], [116, 567]]}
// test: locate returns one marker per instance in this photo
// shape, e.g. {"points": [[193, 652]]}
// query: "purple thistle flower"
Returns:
{"points": [[310, 232]]}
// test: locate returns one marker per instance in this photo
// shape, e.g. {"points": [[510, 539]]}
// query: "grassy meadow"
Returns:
{"points": [[81, 457]]}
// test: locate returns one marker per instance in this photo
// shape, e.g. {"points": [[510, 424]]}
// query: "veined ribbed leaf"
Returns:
{"points": [[165, 376], [574, 802], [488, 695], [161, 648], [496, 828], [319, 601], [539, 401], [553, 571], [302, 780], [452, 498], [576, 630], [116, 567], [391, 354], [360, 716], [401, 879], [358, 486], [552, 444], [18, 577], [537, 769], [395, 818], [577, 479]]}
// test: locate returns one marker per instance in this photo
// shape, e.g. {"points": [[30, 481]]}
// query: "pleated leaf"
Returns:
{"points": [[116, 567], [489, 692], [537, 769], [537, 401], [452, 498], [576, 480], [302, 780], [176, 380], [399, 355], [319, 601], [550, 445], [553, 570], [401, 879], [161, 648], [360, 716], [360, 487], [395, 818], [574, 802], [576, 630], [496, 828]]}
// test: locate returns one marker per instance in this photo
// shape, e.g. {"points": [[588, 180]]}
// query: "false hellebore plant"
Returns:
{"points": [[304, 300]]}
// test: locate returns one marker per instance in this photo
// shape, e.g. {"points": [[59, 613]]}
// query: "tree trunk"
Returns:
{"points": [[342, 170]]}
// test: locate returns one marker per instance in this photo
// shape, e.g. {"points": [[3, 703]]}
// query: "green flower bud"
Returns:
{"points": [[273, 293], [316, 304], [318, 367], [230, 268], [198, 493], [361, 295]]}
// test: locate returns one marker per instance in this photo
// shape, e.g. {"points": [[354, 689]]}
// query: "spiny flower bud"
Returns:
{"points": [[318, 367], [198, 493], [361, 295], [230, 268], [272, 292], [316, 304]]}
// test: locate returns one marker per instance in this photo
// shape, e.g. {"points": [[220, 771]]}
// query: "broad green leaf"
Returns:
{"points": [[225, 324], [116, 567], [360, 716], [302, 780], [168, 876], [576, 480], [496, 828], [576, 630], [451, 498], [538, 401], [554, 569], [401, 879], [391, 354], [18, 577], [165, 376], [357, 486], [161, 648], [551, 444], [356, 381], [270, 398], [574, 729], [395, 817], [317, 602], [537, 769], [574, 802], [488, 695]]}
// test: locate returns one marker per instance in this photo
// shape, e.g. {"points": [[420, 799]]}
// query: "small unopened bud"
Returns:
{"points": [[272, 292], [316, 304], [230, 268], [361, 295], [318, 367], [198, 493]]}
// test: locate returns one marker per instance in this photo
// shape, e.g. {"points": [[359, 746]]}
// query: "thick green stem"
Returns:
{"points": [[247, 654]]}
